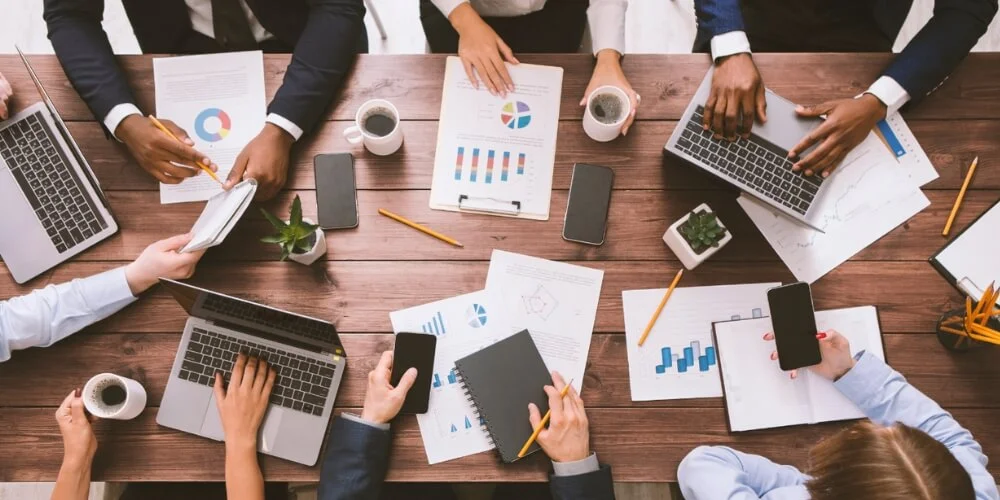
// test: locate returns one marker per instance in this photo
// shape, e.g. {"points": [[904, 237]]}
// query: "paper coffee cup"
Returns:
{"points": [[114, 397], [607, 109]]}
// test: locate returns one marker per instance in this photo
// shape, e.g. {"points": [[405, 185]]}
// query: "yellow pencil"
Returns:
{"points": [[171, 134], [423, 229], [542, 424], [659, 308], [961, 195]]}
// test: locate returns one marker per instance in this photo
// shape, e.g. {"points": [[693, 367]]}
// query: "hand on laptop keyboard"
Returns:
{"points": [[848, 122], [736, 98], [243, 403], [156, 151]]}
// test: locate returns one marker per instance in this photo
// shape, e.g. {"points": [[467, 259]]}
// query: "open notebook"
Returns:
{"points": [[759, 395], [220, 215]]}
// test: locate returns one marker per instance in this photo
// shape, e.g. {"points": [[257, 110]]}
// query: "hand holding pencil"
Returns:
{"points": [[567, 438], [167, 172]]}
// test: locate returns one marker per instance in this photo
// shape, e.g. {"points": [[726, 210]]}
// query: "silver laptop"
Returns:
{"points": [[759, 165], [51, 204], [306, 352]]}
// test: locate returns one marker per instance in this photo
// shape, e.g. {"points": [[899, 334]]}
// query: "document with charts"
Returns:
{"points": [[555, 301], [463, 325], [678, 359], [874, 190], [218, 99], [495, 154]]}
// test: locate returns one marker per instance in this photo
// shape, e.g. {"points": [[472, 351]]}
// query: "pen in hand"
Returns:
{"points": [[200, 165]]}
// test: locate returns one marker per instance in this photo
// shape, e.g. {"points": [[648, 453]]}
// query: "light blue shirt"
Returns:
{"points": [[721, 473], [46, 316]]}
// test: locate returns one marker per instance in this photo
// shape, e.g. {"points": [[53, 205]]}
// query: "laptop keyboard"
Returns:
{"points": [[302, 383], [756, 163], [51, 186], [273, 319]]}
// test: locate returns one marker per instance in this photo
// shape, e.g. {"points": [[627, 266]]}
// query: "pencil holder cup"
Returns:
{"points": [[950, 322]]}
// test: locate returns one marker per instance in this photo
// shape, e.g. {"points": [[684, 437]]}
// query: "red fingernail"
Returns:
{"points": [[821, 335]]}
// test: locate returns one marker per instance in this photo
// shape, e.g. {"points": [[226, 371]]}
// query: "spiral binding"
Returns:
{"points": [[470, 397]]}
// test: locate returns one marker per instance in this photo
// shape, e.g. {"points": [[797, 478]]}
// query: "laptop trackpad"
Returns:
{"points": [[211, 427], [269, 430]]}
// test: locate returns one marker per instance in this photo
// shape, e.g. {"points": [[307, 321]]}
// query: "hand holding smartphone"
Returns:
{"points": [[414, 350], [794, 322]]}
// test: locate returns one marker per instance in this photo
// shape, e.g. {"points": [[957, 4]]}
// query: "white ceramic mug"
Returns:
{"points": [[604, 131], [381, 145], [127, 409]]}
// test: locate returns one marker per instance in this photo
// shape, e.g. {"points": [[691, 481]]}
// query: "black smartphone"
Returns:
{"points": [[587, 208], [336, 194], [794, 323], [414, 350]]}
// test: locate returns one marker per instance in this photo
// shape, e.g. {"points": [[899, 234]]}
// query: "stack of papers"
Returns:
{"points": [[220, 215], [874, 190], [555, 302]]}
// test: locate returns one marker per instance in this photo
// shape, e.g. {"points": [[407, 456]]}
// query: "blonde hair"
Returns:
{"points": [[867, 462]]}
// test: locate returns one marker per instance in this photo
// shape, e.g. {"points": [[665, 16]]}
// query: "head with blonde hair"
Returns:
{"points": [[867, 461]]}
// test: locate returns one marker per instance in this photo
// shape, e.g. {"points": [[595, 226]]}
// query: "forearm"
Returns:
{"points": [[73, 481], [244, 480], [357, 455], [711, 472]]}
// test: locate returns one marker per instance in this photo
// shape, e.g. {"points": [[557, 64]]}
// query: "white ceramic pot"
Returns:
{"points": [[675, 240], [317, 251]]}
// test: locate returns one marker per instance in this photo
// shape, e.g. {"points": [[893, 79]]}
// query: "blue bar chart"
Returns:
{"points": [[452, 378], [435, 325], [689, 358]]}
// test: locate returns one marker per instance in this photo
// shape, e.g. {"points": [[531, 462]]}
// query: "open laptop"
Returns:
{"points": [[759, 165], [306, 352], [52, 205]]}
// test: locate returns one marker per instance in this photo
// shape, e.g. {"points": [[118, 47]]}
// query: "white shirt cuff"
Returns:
{"points": [[580, 467], [355, 418], [607, 24], [890, 92], [446, 6], [119, 113], [727, 44], [285, 125]]}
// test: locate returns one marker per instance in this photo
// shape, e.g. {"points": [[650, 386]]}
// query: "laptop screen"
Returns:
{"points": [[255, 319]]}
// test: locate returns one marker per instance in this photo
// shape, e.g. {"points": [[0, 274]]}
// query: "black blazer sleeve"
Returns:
{"points": [[595, 485], [322, 57], [941, 45], [357, 457], [85, 54]]}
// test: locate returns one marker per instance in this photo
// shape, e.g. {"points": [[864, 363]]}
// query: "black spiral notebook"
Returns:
{"points": [[501, 380]]}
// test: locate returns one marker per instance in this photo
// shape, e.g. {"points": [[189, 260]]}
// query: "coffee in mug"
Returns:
{"points": [[379, 122], [376, 125], [607, 109], [111, 396]]}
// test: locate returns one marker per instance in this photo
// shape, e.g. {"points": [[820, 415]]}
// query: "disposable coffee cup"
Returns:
{"points": [[607, 109], [376, 125], [114, 397]]}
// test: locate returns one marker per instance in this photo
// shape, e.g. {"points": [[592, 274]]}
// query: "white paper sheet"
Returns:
{"points": [[218, 99], [759, 395], [971, 257], [659, 370], [497, 150], [555, 301], [465, 324]]}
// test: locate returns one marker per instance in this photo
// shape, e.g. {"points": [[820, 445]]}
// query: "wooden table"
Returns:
{"points": [[382, 266]]}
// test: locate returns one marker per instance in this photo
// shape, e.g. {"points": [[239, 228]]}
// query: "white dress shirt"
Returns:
{"points": [[606, 17], [46, 316], [200, 12], [887, 90]]}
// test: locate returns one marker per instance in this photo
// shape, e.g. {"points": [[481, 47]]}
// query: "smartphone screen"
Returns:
{"points": [[336, 196], [414, 350], [589, 199], [794, 323]]}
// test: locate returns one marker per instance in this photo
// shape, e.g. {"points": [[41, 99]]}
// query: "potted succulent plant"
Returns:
{"points": [[696, 236], [300, 239]]}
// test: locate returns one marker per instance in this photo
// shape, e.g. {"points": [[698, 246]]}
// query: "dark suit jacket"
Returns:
{"points": [[326, 35], [922, 66], [357, 456]]}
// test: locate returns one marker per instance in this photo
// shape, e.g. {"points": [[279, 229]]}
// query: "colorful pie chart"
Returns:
{"points": [[515, 114], [221, 127]]}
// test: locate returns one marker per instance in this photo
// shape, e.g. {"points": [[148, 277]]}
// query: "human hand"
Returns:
{"points": [[737, 97], [382, 400], [6, 92], [264, 159], [242, 405], [567, 439], [79, 442], [608, 71], [162, 260], [157, 152], [835, 352], [483, 52], [848, 122]]}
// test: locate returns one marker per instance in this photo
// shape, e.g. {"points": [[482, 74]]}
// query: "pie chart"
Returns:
{"points": [[476, 315], [215, 119], [515, 115]]}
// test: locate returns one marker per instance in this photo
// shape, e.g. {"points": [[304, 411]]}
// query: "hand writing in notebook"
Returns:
{"points": [[835, 351], [382, 400], [568, 437]]}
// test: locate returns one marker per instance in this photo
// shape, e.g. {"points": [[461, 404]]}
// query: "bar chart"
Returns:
{"points": [[688, 358], [435, 325], [492, 172], [452, 379]]}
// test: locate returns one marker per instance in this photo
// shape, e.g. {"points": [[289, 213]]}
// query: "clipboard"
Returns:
{"points": [[976, 241]]}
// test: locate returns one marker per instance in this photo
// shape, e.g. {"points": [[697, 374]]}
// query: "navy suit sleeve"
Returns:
{"points": [[717, 17], [595, 485], [357, 457], [322, 57], [85, 54], [941, 45]]}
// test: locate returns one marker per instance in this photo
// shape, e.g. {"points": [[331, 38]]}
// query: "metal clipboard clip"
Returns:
{"points": [[467, 203]]}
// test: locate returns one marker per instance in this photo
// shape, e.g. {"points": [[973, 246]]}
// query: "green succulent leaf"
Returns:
{"points": [[295, 218], [276, 222], [292, 235]]}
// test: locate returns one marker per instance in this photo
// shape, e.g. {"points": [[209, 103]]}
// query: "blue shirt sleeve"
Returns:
{"points": [[44, 317], [886, 398], [719, 472]]}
